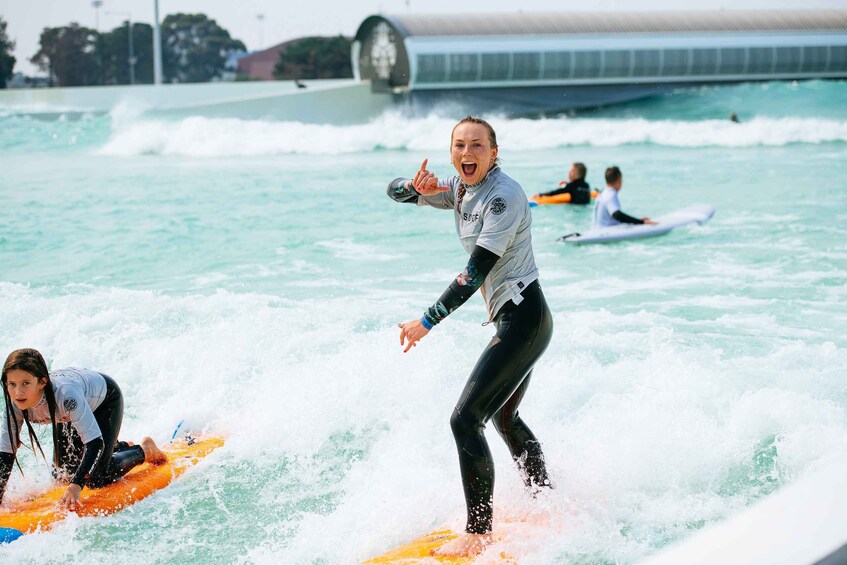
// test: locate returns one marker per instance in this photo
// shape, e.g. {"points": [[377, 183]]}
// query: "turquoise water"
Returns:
{"points": [[248, 276]]}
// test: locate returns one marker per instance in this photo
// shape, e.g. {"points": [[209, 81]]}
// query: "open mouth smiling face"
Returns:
{"points": [[471, 152]]}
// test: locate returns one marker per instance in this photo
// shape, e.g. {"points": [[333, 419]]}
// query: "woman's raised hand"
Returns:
{"points": [[412, 331], [426, 183]]}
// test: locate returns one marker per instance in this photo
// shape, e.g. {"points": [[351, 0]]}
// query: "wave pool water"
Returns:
{"points": [[249, 275]]}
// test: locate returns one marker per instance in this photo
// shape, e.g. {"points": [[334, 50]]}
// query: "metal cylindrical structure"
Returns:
{"points": [[130, 31], [157, 45]]}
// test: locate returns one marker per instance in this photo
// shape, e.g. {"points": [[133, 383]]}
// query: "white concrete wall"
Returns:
{"points": [[331, 100], [798, 525]]}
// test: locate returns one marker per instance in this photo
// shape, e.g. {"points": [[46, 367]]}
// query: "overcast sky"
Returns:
{"points": [[287, 20]]}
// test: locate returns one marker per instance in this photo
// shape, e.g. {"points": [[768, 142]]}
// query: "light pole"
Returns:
{"points": [[261, 18], [157, 45], [129, 32], [97, 4]]}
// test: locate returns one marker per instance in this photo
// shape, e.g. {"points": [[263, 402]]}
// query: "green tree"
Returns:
{"points": [[7, 60], [114, 54], [69, 55], [195, 48], [315, 57]]}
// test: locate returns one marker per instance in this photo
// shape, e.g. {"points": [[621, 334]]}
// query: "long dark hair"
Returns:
{"points": [[32, 362]]}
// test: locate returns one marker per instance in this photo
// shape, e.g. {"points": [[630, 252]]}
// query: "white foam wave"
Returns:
{"points": [[211, 137], [350, 250], [331, 428]]}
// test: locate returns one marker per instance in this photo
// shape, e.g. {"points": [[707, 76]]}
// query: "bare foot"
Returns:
{"points": [[152, 453], [465, 544]]}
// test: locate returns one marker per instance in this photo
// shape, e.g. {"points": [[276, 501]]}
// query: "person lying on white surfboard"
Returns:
{"points": [[607, 207], [85, 411]]}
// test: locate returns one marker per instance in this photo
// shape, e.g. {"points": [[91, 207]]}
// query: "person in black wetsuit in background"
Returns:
{"points": [[493, 222], [85, 410], [576, 186]]}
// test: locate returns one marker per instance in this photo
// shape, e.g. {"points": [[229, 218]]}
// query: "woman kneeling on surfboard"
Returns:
{"points": [[493, 221], [85, 410]]}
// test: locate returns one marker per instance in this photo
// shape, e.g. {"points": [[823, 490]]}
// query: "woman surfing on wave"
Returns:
{"points": [[493, 223], [85, 411]]}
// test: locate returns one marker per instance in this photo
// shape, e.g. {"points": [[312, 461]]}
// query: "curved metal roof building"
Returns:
{"points": [[548, 62]]}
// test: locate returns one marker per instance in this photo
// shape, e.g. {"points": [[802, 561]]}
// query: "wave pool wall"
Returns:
{"points": [[338, 101]]}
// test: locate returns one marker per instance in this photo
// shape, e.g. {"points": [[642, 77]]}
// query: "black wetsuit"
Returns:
{"points": [[626, 218], [97, 463], [117, 458], [493, 392], [496, 384], [579, 190]]}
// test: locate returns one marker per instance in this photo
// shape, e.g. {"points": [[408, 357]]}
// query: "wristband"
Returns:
{"points": [[426, 323]]}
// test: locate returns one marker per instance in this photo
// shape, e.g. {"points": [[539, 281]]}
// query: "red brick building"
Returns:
{"points": [[260, 65]]}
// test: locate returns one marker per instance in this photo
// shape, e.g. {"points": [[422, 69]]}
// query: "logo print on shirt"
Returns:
{"points": [[498, 206], [69, 404]]}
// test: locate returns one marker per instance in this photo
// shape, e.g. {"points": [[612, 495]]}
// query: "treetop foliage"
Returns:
{"points": [[7, 60], [315, 57], [194, 49]]}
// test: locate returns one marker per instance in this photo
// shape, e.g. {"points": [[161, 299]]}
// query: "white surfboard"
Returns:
{"points": [[697, 214]]}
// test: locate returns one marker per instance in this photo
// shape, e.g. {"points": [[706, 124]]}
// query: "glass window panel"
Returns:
{"points": [[557, 64], [495, 66], [704, 61], [732, 61], [617, 63], [760, 60], [586, 64], [787, 59], [647, 63], [432, 68], [838, 58], [814, 59], [463, 67], [676, 62], [526, 66]]}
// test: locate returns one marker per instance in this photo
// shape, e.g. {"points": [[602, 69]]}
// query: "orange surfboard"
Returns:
{"points": [[42, 511], [557, 199]]}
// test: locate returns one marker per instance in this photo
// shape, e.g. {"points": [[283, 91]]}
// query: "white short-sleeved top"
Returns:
{"points": [[495, 215], [607, 203], [78, 392]]}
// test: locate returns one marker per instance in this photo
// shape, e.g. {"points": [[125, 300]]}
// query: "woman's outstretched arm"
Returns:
{"points": [[463, 287]]}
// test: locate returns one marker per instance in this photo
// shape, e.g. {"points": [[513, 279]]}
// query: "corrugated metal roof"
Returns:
{"points": [[559, 23]]}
